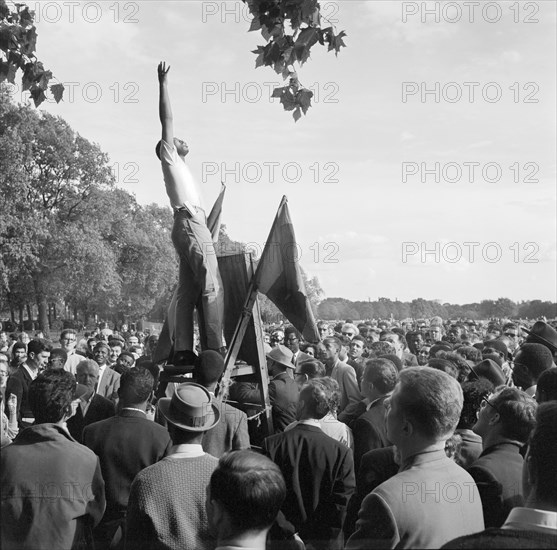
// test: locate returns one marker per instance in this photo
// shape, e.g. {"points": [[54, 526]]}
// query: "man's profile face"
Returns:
{"points": [[40, 360], [181, 147]]}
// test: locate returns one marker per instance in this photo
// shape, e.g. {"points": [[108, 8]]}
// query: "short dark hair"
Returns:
{"points": [[382, 347], [463, 368], [444, 365], [543, 452], [536, 358], [359, 338], [517, 411], [59, 352], [474, 391], [51, 395], [38, 345], [251, 488], [312, 368], [100, 345], [547, 384], [431, 399], [382, 373], [208, 368], [19, 345], [136, 385], [334, 340], [316, 398], [470, 352], [292, 330], [394, 359]]}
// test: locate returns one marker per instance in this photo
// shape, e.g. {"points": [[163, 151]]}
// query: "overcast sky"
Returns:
{"points": [[425, 168]]}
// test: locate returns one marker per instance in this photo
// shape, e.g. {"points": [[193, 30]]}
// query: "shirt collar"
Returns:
{"points": [[532, 518], [382, 398], [32, 373], [310, 422], [186, 450]]}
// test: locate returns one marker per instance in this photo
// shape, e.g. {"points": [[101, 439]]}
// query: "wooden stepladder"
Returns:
{"points": [[243, 331]]}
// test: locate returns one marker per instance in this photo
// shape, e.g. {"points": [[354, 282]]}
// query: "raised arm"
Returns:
{"points": [[165, 111]]}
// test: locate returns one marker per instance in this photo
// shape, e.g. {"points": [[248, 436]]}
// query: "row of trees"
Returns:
{"points": [[70, 238], [383, 308]]}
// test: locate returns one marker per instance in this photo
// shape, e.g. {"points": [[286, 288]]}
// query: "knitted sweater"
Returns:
{"points": [[166, 508]]}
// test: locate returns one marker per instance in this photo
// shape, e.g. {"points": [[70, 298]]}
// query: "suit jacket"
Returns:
{"points": [[369, 430], [125, 444], [99, 409], [345, 375], [428, 503], [498, 475], [283, 394], [376, 467], [52, 491], [109, 384], [499, 539], [301, 357], [470, 449], [230, 434], [18, 384], [319, 475]]}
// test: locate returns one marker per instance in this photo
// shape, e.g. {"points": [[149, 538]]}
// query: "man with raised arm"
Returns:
{"points": [[199, 280]]}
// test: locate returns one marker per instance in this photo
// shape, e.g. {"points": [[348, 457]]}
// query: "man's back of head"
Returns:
{"points": [[136, 387], [208, 369], [245, 495]]}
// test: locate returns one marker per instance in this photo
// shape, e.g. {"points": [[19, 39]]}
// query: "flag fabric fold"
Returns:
{"points": [[279, 277]]}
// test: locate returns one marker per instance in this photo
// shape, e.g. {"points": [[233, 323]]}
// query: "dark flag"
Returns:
{"points": [[279, 277]]}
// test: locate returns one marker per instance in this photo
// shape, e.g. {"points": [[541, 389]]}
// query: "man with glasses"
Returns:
{"points": [[292, 342], [349, 330], [505, 420], [68, 342]]}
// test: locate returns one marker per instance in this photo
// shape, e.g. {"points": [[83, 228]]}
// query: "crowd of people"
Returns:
{"points": [[424, 434]]}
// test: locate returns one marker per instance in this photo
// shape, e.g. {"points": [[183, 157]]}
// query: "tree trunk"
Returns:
{"points": [[21, 316], [49, 314], [43, 314], [29, 312]]}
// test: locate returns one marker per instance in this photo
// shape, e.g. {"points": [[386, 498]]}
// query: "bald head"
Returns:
{"points": [[87, 373]]}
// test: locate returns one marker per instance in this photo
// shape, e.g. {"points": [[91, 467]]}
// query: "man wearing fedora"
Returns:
{"points": [[542, 333], [283, 390], [166, 508]]}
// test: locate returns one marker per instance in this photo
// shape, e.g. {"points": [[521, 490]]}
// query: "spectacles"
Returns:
{"points": [[485, 401], [423, 353]]}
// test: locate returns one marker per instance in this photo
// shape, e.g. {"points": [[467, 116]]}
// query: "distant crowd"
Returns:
{"points": [[422, 434]]}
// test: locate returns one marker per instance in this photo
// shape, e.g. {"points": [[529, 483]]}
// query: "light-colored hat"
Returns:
{"points": [[282, 355], [190, 408]]}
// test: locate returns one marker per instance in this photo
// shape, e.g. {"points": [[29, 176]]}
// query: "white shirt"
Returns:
{"points": [[181, 187], [32, 373], [101, 372]]}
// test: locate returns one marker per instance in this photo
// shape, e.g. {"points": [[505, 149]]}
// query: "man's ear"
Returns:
{"points": [[407, 427]]}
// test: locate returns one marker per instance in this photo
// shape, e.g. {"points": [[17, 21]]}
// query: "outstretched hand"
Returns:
{"points": [[163, 71]]}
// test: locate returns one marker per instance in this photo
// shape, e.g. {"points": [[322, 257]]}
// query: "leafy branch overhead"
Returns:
{"points": [[18, 39], [283, 49]]}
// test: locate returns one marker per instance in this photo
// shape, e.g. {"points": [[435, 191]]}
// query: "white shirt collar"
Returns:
{"points": [[531, 518], [32, 373], [186, 450]]}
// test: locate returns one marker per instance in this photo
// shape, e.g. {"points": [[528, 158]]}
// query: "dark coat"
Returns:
{"points": [[125, 445], [18, 384], [369, 430], [52, 491], [100, 408], [230, 434], [283, 394], [498, 475], [319, 475]]}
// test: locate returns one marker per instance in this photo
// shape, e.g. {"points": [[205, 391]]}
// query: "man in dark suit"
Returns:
{"points": [[125, 444], [231, 433], [292, 342], [318, 470], [535, 524], [504, 423], [431, 499], [379, 380], [92, 406], [38, 353]]}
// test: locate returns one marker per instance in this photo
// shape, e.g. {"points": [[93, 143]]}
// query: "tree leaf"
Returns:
{"points": [[57, 90], [297, 114]]}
